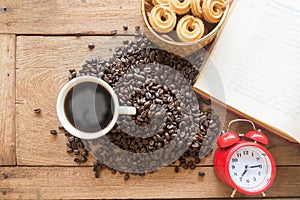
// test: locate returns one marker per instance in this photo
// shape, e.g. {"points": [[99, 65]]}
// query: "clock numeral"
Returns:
{"points": [[241, 179], [252, 154], [235, 160], [234, 174], [259, 173], [245, 152], [247, 181], [254, 179], [239, 154], [233, 166], [263, 154], [257, 158]]}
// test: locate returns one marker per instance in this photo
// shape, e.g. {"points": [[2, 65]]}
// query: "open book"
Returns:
{"points": [[254, 65]]}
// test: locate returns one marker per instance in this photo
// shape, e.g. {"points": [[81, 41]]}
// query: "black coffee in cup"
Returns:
{"points": [[89, 107]]}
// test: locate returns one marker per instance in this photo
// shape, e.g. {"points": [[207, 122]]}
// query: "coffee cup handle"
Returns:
{"points": [[127, 110]]}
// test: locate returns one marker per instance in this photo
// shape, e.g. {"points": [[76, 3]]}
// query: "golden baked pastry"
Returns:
{"points": [[180, 6], [162, 18], [162, 2], [196, 7], [213, 10], [190, 28]]}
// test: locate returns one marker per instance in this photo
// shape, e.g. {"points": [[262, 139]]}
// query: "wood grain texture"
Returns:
{"points": [[69, 17], [79, 183], [7, 103], [42, 69]]}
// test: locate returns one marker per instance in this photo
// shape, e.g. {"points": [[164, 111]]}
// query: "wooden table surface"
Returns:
{"points": [[38, 46]]}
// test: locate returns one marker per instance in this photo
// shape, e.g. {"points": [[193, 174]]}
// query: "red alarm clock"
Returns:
{"points": [[242, 162]]}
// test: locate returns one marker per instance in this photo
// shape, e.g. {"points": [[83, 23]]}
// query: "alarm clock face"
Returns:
{"points": [[250, 168]]}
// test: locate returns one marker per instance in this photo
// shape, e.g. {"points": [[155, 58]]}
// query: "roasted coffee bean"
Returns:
{"points": [[193, 166], [77, 160], [71, 70], [37, 110], [113, 32], [76, 152], [176, 169], [91, 45], [69, 150], [126, 177], [125, 27], [197, 160], [60, 127], [83, 159], [53, 132], [202, 174], [84, 154], [5, 176], [97, 174], [190, 163]]}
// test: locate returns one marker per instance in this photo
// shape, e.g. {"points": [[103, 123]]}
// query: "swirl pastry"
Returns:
{"points": [[162, 19], [180, 6], [213, 10], [161, 2], [190, 28], [196, 7]]}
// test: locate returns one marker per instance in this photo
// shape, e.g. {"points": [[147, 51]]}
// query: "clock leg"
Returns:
{"points": [[264, 194], [233, 193]]}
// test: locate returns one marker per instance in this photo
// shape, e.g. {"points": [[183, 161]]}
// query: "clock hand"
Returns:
{"points": [[246, 169], [254, 166]]}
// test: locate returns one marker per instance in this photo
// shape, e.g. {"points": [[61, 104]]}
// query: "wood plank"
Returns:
{"points": [[79, 183], [69, 17], [7, 103], [42, 69]]}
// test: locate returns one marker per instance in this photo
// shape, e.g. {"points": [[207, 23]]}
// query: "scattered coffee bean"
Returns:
{"points": [[176, 169], [202, 174], [77, 160], [113, 32], [137, 28], [69, 150], [71, 70], [37, 110], [3, 192], [5, 176], [126, 177], [53, 132], [91, 45], [125, 27]]}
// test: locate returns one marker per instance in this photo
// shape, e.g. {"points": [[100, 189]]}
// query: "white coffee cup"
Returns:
{"points": [[117, 109]]}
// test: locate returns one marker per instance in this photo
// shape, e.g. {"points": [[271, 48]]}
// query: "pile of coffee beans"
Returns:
{"points": [[169, 115]]}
